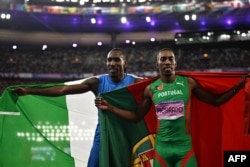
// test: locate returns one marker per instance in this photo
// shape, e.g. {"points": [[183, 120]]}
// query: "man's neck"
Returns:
{"points": [[117, 78], [168, 78]]}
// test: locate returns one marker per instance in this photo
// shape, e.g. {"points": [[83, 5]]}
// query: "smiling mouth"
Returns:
{"points": [[167, 68], [112, 70]]}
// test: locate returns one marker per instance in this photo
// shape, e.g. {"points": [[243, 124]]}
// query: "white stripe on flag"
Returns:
{"points": [[82, 124], [9, 113]]}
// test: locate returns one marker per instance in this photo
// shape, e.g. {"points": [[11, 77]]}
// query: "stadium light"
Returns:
{"points": [[44, 47], [14, 47], [148, 19], [6, 16], [123, 20], [152, 39], [186, 17], [229, 22], [194, 17], [127, 41], [152, 23], [93, 20], [82, 2]]}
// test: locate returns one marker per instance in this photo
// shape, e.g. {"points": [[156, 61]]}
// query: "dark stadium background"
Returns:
{"points": [[217, 40]]}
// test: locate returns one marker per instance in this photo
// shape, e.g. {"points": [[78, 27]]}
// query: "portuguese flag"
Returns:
{"points": [[38, 131], [214, 129]]}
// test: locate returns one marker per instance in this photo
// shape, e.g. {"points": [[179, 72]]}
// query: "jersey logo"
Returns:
{"points": [[180, 83]]}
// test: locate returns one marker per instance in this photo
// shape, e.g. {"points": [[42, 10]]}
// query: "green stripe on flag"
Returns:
{"points": [[49, 131], [122, 140], [8, 102], [30, 139]]}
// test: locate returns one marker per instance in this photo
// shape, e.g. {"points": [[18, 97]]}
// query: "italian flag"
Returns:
{"points": [[58, 131], [38, 131]]}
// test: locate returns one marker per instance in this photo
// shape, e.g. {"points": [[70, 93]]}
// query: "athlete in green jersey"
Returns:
{"points": [[172, 110], [171, 96]]}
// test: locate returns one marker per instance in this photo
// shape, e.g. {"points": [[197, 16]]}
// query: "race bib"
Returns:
{"points": [[170, 110]]}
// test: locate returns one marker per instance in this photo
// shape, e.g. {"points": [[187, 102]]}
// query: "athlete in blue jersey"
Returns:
{"points": [[116, 78]]}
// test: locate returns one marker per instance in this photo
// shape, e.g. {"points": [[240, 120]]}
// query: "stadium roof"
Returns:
{"points": [[164, 16], [213, 16]]}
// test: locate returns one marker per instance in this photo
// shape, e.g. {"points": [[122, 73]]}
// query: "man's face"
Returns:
{"points": [[116, 64], [166, 62]]}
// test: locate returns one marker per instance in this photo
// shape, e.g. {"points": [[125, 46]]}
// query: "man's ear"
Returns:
{"points": [[157, 65], [125, 64]]}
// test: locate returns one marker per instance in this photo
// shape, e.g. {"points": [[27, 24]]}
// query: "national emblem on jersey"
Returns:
{"points": [[160, 87]]}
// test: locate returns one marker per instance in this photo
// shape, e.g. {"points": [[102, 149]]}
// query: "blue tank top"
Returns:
{"points": [[106, 85]]}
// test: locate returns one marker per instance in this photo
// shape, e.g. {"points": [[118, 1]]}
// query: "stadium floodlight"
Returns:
{"points": [[14, 47], [186, 17], [81, 2], [152, 39], [6, 16], [152, 23], [194, 16], [44, 47], [93, 20], [148, 19], [229, 22], [3, 15], [123, 20], [127, 41]]}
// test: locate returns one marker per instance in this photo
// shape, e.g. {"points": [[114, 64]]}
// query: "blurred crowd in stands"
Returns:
{"points": [[92, 60]]}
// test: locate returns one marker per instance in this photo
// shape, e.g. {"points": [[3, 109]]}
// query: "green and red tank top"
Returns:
{"points": [[172, 109]]}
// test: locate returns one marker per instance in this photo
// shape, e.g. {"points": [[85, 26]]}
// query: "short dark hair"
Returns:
{"points": [[122, 53], [162, 49]]}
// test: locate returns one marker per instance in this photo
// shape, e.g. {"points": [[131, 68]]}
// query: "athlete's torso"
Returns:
{"points": [[172, 105], [106, 85]]}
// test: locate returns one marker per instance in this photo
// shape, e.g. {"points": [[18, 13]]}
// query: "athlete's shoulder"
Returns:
{"points": [[181, 76], [132, 75], [136, 78], [102, 76]]}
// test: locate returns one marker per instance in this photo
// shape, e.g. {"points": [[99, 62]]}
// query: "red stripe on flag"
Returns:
{"points": [[136, 90], [247, 108]]}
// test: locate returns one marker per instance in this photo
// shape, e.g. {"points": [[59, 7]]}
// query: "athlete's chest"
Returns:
{"points": [[171, 99]]}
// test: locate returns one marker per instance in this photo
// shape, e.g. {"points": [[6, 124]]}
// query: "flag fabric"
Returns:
{"points": [[38, 131], [57, 131], [214, 129]]}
